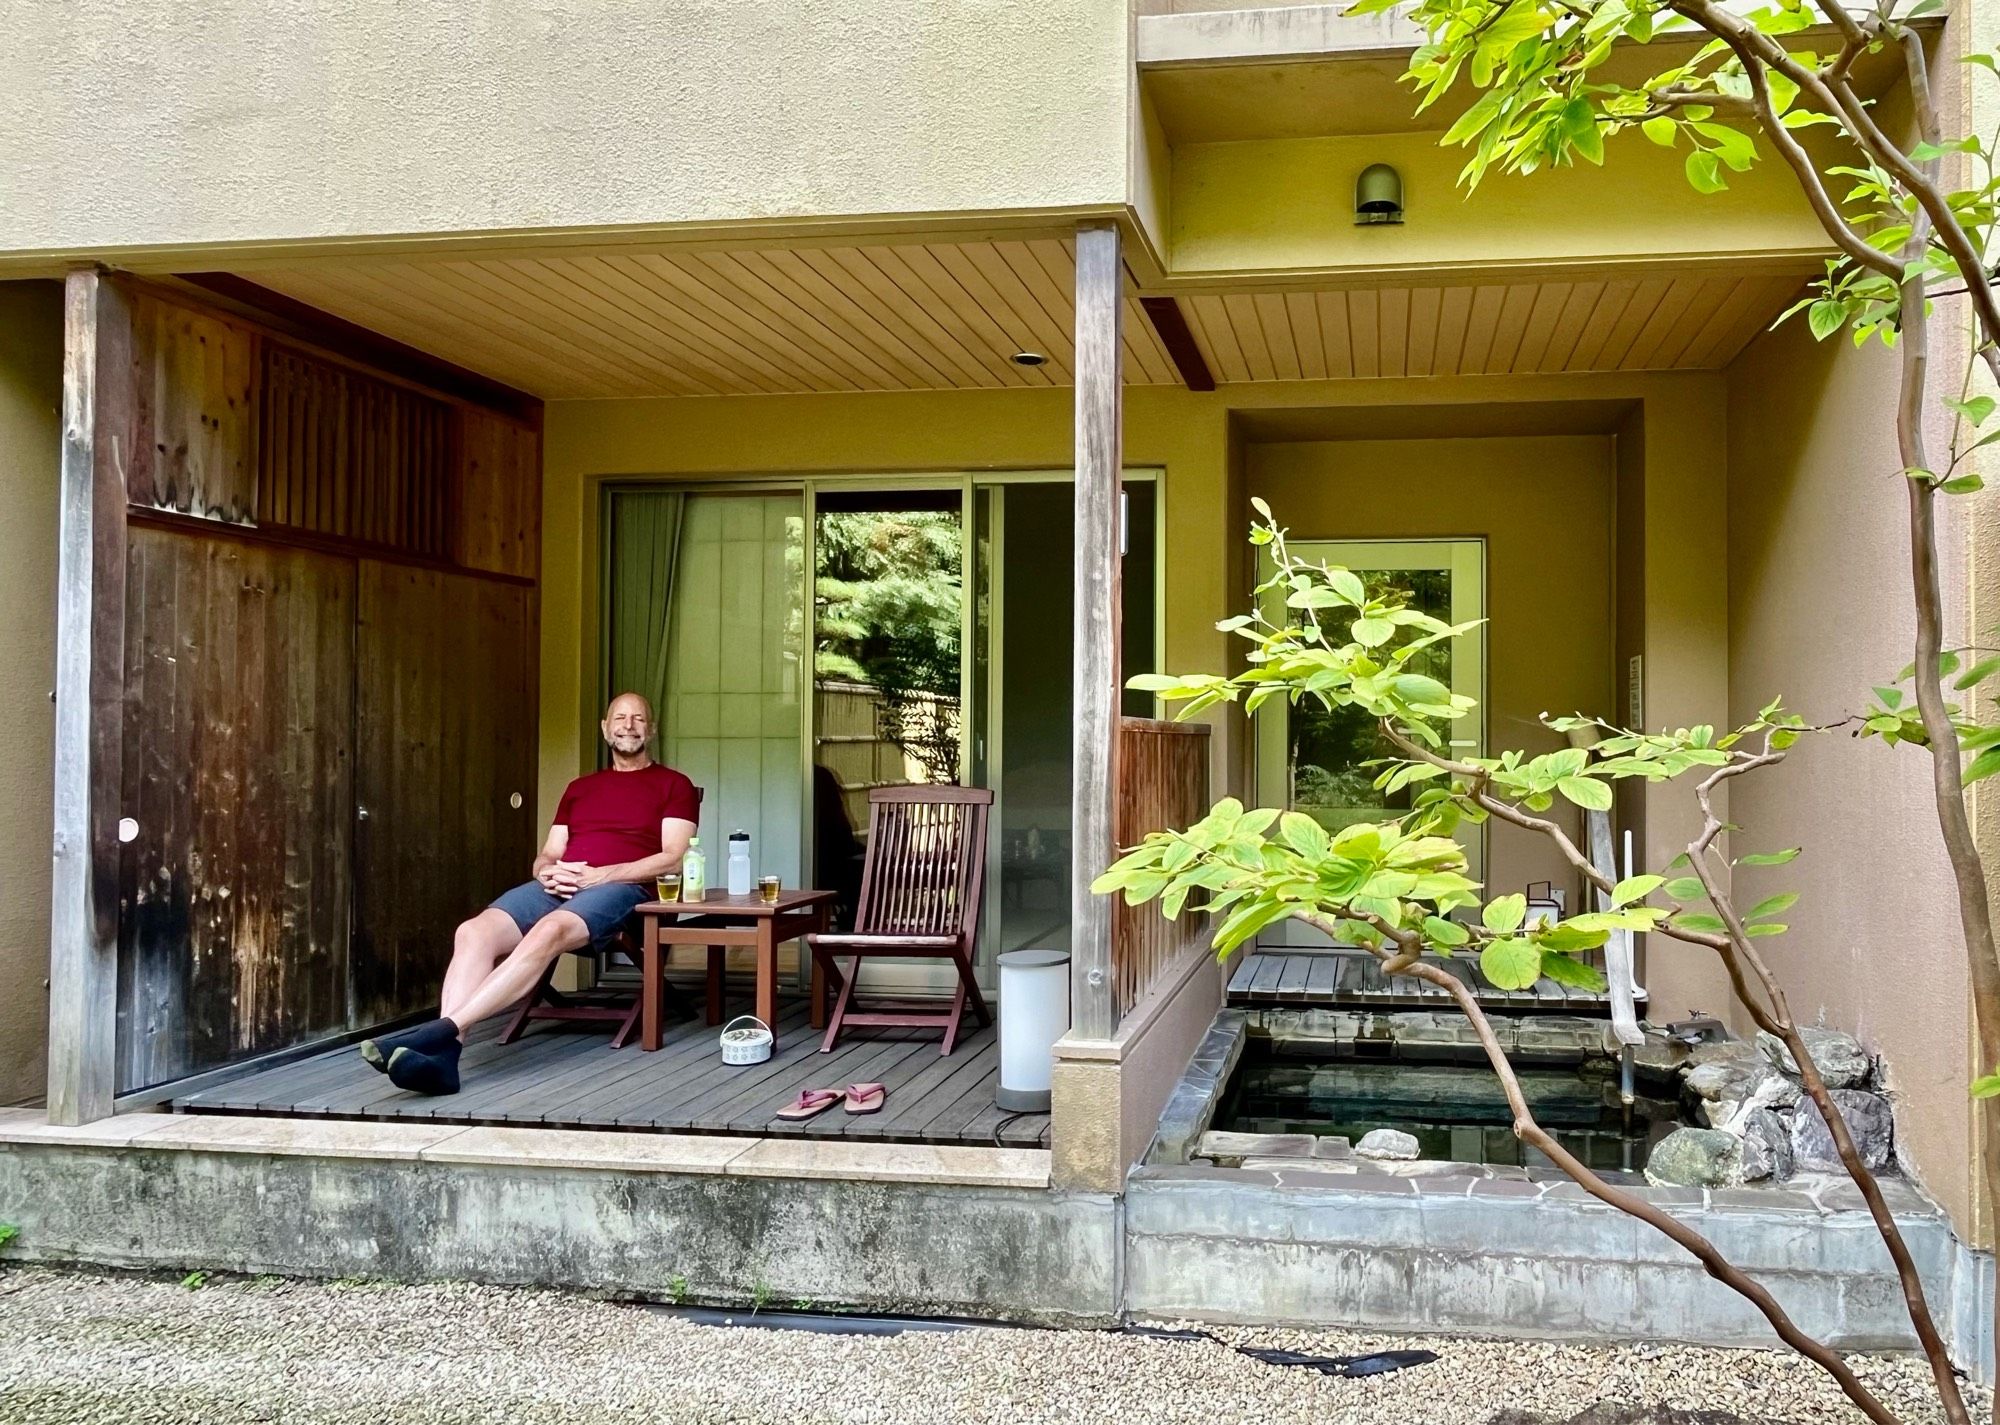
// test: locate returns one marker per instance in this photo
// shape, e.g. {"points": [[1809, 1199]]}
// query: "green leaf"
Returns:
{"points": [[1963, 485], [1348, 585], [1704, 171], [1975, 409], [1660, 131], [1977, 673], [1574, 973], [1505, 914], [1372, 632], [1511, 964], [1635, 888], [1985, 1086], [1304, 835], [1825, 318], [1768, 858], [1709, 923], [1445, 932], [1983, 766], [1772, 905], [1586, 792], [1416, 689], [1767, 927], [1687, 888]]}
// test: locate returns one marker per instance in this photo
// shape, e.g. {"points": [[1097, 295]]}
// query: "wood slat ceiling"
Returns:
{"points": [[930, 316], [1653, 324], [909, 316]]}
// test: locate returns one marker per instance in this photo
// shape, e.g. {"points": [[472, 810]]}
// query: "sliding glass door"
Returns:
{"points": [[706, 596], [805, 645]]}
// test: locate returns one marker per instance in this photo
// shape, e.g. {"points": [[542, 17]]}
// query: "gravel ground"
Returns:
{"points": [[112, 1350]]}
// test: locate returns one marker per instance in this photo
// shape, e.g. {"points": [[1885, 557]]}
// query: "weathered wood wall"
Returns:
{"points": [[329, 673], [238, 771], [446, 779]]}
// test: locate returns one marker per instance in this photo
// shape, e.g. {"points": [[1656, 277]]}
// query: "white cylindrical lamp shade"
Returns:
{"points": [[1034, 1013]]}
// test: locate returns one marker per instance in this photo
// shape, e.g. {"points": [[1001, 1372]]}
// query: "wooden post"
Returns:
{"points": [[1096, 680], [90, 682]]}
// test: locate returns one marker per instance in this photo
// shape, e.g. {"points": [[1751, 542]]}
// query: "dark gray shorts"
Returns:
{"points": [[603, 908]]}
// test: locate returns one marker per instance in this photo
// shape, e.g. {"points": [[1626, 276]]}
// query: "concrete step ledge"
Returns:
{"points": [[801, 1158]]}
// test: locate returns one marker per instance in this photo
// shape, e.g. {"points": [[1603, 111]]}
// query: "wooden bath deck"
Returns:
{"points": [[1353, 978], [568, 1076]]}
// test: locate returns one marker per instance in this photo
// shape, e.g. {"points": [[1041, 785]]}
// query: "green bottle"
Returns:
{"points": [[694, 871]]}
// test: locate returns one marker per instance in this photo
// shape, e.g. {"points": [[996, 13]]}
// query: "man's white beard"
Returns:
{"points": [[628, 744]]}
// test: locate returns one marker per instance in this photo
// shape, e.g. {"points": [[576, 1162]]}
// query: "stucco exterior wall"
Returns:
{"points": [[1819, 611], [30, 450], [135, 124], [1543, 505]]}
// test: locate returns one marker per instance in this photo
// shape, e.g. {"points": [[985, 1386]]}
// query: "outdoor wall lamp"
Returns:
{"points": [[1378, 195]]}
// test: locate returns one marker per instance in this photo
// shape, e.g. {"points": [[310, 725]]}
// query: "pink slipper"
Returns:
{"points": [[866, 1098], [810, 1104]]}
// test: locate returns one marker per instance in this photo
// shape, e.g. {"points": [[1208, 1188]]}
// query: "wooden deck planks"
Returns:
{"points": [[563, 1075], [1337, 977]]}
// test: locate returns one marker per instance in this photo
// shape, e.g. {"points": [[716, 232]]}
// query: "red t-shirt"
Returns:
{"points": [[614, 817]]}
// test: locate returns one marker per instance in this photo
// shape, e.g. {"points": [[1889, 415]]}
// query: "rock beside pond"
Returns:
{"points": [[1230, 1149], [1767, 1146], [1868, 1118], [1757, 1087], [1389, 1143], [1696, 1157], [1839, 1057]]}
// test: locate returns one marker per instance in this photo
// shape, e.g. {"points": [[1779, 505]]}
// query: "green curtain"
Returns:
{"points": [[645, 551]]}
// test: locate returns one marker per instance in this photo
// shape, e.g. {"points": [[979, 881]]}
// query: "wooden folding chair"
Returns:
{"points": [[545, 1001], [920, 891]]}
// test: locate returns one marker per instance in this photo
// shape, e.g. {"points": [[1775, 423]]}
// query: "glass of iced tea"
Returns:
{"points": [[669, 886], [767, 889]]}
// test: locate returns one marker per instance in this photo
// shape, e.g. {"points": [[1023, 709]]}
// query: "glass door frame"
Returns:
{"points": [[1464, 557], [888, 483]]}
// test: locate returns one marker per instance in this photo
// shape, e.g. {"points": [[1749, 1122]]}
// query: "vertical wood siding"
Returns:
{"points": [[1163, 771], [442, 748], [237, 768], [331, 607], [194, 412], [353, 457]]}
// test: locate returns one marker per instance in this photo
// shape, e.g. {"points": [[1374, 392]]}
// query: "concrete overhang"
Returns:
{"points": [[1302, 70]]}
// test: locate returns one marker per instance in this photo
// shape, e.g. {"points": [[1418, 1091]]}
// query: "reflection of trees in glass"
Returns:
{"points": [[1329, 749], [887, 613]]}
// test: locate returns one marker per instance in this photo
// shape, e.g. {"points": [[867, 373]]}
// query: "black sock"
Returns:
{"points": [[426, 1038], [435, 1072]]}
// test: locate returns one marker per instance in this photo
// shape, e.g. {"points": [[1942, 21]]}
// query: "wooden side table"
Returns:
{"points": [[726, 920]]}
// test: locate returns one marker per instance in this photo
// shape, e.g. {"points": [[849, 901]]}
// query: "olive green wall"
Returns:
{"points": [[1671, 579], [1543, 505], [1819, 611], [30, 451]]}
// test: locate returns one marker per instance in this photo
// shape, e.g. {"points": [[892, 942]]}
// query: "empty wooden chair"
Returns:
{"points": [[920, 891]]}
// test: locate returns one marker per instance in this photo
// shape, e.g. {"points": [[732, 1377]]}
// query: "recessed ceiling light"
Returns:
{"points": [[1028, 358]]}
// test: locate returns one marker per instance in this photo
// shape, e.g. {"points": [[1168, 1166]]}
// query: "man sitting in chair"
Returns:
{"points": [[615, 831]]}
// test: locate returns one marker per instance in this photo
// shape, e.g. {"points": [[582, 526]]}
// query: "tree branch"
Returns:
{"points": [[1741, 949], [1529, 1131]]}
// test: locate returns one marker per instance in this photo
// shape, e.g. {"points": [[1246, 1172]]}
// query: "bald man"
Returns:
{"points": [[615, 832]]}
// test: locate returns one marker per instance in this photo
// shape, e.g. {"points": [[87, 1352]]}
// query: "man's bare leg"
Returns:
{"points": [[480, 944], [554, 934], [431, 1066]]}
